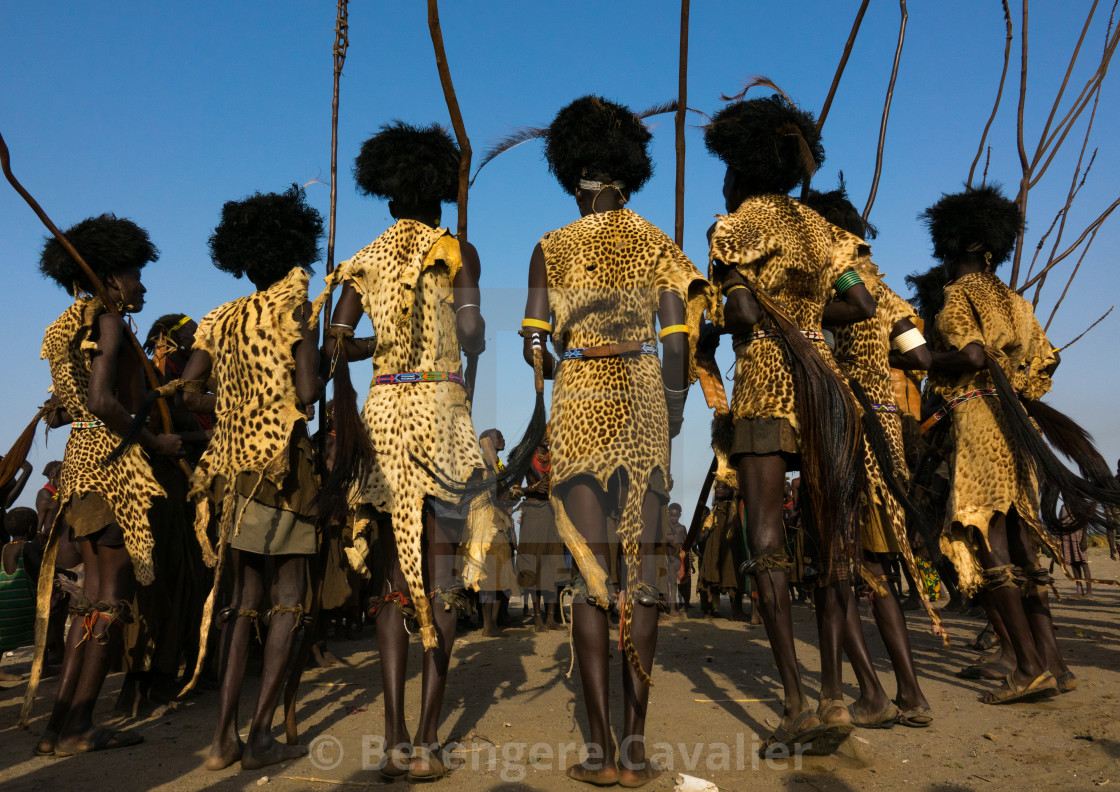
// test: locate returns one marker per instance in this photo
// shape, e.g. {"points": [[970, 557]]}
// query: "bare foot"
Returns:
{"points": [[604, 775], [739, 616], [634, 776], [538, 624], [268, 752], [871, 711], [224, 753]]}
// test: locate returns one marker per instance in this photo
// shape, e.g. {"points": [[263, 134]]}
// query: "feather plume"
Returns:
{"points": [[755, 81], [504, 144]]}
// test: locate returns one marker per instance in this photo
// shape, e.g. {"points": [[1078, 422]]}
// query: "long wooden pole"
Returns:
{"points": [[436, 32], [98, 288], [456, 115], [836, 80], [295, 670], [682, 108], [886, 112]]}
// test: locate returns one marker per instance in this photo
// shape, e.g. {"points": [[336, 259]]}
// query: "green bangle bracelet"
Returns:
{"points": [[847, 281]]}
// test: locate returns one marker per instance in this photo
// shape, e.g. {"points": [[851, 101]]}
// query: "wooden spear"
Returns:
{"points": [[682, 108], [295, 671], [836, 79], [464, 155], [886, 112], [98, 288]]}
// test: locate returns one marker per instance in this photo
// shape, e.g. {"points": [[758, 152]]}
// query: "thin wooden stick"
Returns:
{"points": [[1090, 327], [1024, 163], [471, 372], [1076, 267], [836, 82], [887, 111], [456, 115], [98, 287], [682, 109], [843, 62], [1090, 229], [295, 669], [999, 93]]}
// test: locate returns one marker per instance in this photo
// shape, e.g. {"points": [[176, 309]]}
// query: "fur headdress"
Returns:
{"points": [[835, 207], [109, 245], [595, 138], [267, 234], [769, 142], [981, 221], [412, 165]]}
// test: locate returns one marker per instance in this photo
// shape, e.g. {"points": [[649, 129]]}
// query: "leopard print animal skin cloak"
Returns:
{"points": [[127, 485], [404, 278], [989, 473], [796, 256], [249, 341], [862, 353], [606, 273]]}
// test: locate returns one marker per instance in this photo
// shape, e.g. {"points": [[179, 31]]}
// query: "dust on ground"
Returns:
{"points": [[512, 710]]}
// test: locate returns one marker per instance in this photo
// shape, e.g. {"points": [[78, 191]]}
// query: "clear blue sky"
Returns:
{"points": [[160, 112]]}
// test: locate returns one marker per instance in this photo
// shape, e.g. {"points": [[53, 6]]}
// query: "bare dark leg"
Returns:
{"points": [[635, 770], [584, 503], [442, 538], [289, 581], [873, 699], [75, 646], [1036, 606], [892, 627], [248, 592], [761, 481], [832, 602], [115, 584], [392, 647], [1010, 605]]}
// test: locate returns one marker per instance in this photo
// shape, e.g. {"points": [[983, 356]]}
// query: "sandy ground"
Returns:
{"points": [[513, 710]]}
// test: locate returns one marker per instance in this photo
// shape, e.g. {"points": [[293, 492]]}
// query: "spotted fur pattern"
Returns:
{"points": [[862, 353], [796, 256], [404, 278], [989, 473], [606, 274], [128, 484], [249, 341]]}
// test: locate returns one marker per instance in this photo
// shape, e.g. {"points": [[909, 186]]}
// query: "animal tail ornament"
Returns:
{"points": [[1081, 494], [354, 452], [227, 528], [880, 449], [630, 531], [519, 459], [17, 454], [830, 440], [42, 616], [408, 529]]}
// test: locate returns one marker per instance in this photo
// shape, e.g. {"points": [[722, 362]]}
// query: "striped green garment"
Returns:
{"points": [[17, 607]]}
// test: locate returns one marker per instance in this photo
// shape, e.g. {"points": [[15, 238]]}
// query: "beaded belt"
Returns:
{"points": [[411, 377], [928, 423], [812, 335], [580, 352], [884, 408], [86, 424]]}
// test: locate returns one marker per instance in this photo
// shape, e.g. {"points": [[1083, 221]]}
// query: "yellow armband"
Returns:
{"points": [[668, 331], [535, 324], [733, 288]]}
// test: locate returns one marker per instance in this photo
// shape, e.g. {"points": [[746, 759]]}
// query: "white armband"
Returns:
{"points": [[911, 339]]}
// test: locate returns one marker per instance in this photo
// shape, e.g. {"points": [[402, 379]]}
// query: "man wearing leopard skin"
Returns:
{"points": [[779, 265], [262, 354], [419, 287], [594, 286], [98, 382]]}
